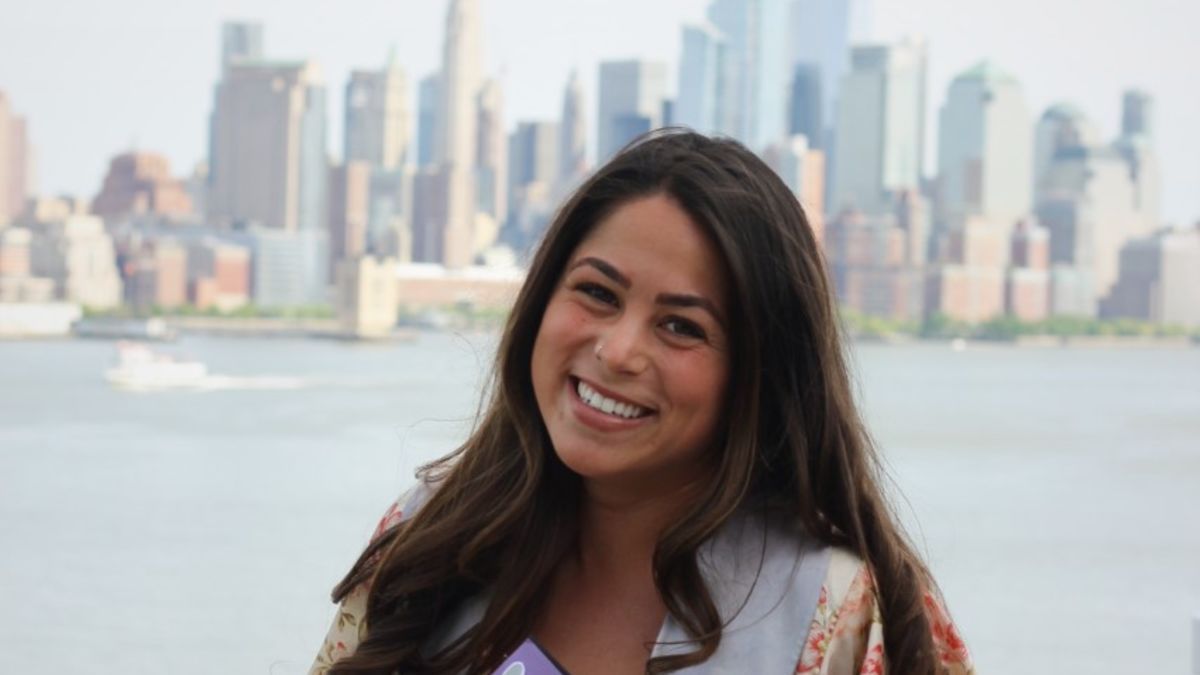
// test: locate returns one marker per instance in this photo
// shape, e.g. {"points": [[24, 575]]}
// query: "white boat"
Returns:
{"points": [[138, 367]]}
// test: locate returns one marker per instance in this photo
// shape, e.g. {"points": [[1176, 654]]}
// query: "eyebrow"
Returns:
{"points": [[669, 299], [605, 269]]}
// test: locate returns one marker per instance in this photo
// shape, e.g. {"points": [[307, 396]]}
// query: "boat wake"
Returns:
{"points": [[140, 369], [251, 383]]}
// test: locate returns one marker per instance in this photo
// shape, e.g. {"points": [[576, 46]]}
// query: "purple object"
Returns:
{"points": [[529, 659]]}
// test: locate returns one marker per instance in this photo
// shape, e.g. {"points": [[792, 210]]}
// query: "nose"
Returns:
{"points": [[622, 348]]}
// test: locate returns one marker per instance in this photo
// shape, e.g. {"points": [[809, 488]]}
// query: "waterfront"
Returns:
{"points": [[1056, 492]]}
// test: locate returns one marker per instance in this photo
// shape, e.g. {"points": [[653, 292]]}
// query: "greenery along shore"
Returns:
{"points": [[1007, 329], [934, 327]]}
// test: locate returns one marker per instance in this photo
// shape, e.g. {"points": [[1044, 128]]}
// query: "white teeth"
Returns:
{"points": [[595, 400]]}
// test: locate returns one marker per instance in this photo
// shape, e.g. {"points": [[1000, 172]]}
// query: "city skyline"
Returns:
{"points": [[169, 116]]}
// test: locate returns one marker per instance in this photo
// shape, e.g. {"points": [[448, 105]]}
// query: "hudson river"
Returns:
{"points": [[1055, 493]]}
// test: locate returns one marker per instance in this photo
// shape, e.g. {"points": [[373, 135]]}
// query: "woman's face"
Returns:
{"points": [[631, 362]]}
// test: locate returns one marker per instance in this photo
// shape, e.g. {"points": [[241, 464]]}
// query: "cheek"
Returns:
{"points": [[559, 327], [700, 381], [563, 325]]}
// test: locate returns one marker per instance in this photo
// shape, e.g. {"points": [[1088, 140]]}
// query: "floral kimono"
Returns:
{"points": [[768, 594]]}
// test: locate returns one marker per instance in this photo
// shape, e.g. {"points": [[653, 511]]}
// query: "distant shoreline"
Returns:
{"points": [[281, 327]]}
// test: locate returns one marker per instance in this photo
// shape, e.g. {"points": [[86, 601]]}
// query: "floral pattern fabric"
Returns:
{"points": [[844, 638]]}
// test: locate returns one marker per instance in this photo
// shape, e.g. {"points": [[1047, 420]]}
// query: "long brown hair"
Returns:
{"points": [[505, 510]]}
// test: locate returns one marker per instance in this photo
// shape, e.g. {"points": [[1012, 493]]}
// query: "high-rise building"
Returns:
{"points": [[1136, 145], [291, 269], [268, 163], [349, 212], [533, 169], [572, 144], [755, 92], [141, 183], [880, 140], [821, 34], [533, 153], [1093, 199], [1137, 112], [240, 41], [377, 117], [703, 80], [389, 231], [985, 143], [630, 102], [429, 96], [803, 171], [806, 115], [428, 215], [15, 162], [1159, 279], [491, 161], [458, 130], [1063, 127]]}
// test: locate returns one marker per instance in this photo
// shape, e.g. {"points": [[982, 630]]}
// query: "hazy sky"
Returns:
{"points": [[96, 78]]}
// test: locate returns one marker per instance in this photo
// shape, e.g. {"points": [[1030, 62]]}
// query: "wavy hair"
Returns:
{"points": [[506, 509]]}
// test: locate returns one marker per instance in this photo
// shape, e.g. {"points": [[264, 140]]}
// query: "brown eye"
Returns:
{"points": [[684, 328], [597, 293]]}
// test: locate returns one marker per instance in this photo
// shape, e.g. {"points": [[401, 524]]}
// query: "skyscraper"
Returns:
{"points": [[630, 103], [572, 144], [755, 95], [429, 96], [269, 160], [1136, 145], [806, 114], [985, 144], [15, 162], [702, 80], [1159, 279], [821, 35], [533, 169], [491, 161], [1063, 127], [880, 140], [1137, 110], [240, 41], [458, 130], [349, 212], [377, 117], [533, 154], [1094, 198]]}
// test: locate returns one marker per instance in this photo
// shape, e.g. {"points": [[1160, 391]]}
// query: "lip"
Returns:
{"points": [[598, 420]]}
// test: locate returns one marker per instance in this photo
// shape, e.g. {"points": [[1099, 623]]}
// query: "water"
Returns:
{"points": [[1054, 492]]}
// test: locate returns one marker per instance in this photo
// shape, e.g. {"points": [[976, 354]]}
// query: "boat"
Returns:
{"points": [[138, 367], [116, 328]]}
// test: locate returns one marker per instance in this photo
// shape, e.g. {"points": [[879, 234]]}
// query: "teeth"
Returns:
{"points": [[594, 399]]}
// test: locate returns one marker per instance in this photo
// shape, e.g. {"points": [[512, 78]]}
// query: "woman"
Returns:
{"points": [[670, 474]]}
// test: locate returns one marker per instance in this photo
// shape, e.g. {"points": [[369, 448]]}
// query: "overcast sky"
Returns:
{"points": [[97, 78]]}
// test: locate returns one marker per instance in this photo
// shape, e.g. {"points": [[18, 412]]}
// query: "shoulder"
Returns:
{"points": [[846, 633], [350, 624], [405, 507]]}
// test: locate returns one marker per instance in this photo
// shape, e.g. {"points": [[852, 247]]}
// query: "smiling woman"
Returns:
{"points": [[630, 366], [671, 475]]}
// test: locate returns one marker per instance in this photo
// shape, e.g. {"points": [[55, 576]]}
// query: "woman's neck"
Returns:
{"points": [[618, 531]]}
